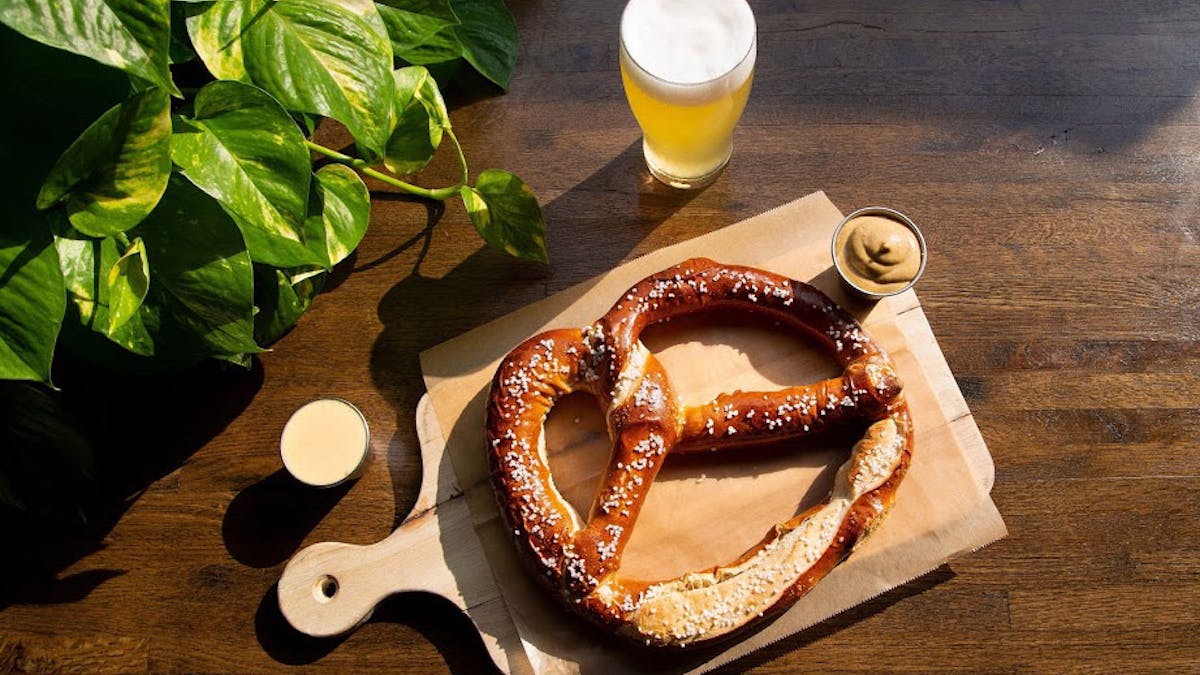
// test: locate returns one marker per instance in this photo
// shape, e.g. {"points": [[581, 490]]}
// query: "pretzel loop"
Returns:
{"points": [[579, 559]]}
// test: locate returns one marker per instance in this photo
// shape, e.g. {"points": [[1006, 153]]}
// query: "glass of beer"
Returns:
{"points": [[687, 66]]}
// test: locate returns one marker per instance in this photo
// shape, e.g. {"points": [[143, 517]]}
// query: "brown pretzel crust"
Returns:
{"points": [[579, 558]]}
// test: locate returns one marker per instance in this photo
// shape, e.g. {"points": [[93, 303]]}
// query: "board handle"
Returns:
{"points": [[330, 588]]}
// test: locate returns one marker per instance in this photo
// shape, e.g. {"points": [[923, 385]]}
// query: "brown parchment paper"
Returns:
{"points": [[705, 512]]}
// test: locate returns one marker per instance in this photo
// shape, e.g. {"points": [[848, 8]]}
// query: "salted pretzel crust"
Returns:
{"points": [[578, 558]]}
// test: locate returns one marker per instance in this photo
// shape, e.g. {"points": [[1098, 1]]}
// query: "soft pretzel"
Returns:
{"points": [[579, 560]]}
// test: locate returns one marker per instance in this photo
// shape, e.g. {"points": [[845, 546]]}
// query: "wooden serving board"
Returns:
{"points": [[699, 513], [434, 550]]}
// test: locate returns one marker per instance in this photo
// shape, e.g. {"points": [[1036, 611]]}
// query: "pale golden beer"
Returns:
{"points": [[687, 67]]}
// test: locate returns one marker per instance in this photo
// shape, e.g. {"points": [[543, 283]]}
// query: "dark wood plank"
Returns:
{"points": [[63, 652], [1049, 150]]}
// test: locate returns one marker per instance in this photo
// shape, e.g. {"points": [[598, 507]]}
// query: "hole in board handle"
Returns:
{"points": [[324, 588]]}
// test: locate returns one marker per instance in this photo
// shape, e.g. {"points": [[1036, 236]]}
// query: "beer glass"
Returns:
{"points": [[687, 66]]}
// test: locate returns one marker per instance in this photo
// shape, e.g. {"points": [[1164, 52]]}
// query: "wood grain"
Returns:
{"points": [[1049, 151]]}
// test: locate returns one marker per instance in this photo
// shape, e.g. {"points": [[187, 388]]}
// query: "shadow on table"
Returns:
{"points": [[443, 625], [456, 639], [284, 643], [841, 621], [266, 523], [420, 311], [806, 637], [435, 618], [82, 456]]}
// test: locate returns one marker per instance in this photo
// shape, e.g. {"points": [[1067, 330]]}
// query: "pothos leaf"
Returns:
{"points": [[485, 34], [216, 30], [180, 49], [281, 298], [307, 123], [440, 47], [410, 23], [245, 151], [128, 281], [59, 95], [420, 120], [327, 58], [202, 300], [133, 35], [506, 214], [32, 300], [86, 265], [339, 210], [116, 171], [79, 260], [488, 34]]}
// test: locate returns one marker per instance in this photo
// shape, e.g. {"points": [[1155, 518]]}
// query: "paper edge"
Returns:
{"points": [[1000, 533]]}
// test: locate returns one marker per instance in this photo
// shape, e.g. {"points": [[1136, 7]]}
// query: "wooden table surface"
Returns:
{"points": [[1051, 152]]}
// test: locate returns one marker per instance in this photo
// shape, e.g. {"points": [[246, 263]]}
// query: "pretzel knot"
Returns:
{"points": [[580, 560]]}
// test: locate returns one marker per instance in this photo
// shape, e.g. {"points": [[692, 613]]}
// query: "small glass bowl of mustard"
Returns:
{"points": [[878, 252]]}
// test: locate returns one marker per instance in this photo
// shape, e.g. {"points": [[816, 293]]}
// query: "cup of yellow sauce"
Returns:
{"points": [[325, 443], [878, 252]]}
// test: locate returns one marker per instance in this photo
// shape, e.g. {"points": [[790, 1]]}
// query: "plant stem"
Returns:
{"points": [[361, 165], [462, 161]]}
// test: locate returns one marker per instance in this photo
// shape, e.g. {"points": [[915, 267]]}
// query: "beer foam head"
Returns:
{"points": [[690, 42]]}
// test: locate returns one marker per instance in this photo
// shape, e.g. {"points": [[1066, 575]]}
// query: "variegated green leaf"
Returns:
{"points": [[411, 23], [77, 259], [202, 300], [133, 35], [216, 31], [327, 58], [420, 120], [506, 214], [116, 171], [180, 47], [484, 34], [488, 34], [281, 298], [85, 264], [340, 208], [32, 300], [441, 47], [245, 151], [128, 281]]}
